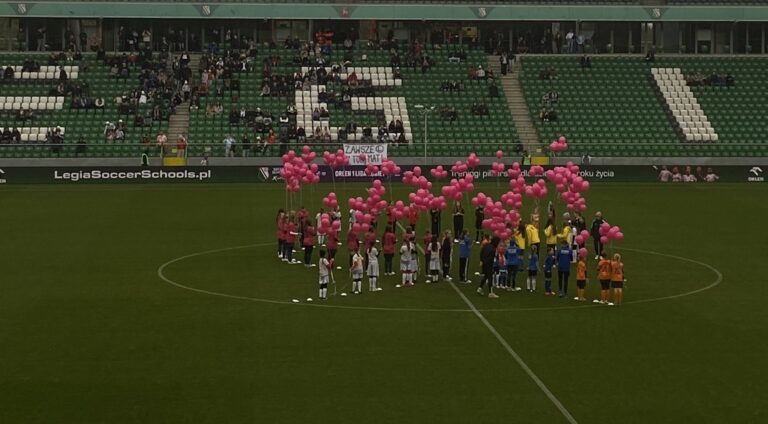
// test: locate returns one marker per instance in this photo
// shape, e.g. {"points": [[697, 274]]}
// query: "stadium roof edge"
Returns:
{"points": [[380, 11]]}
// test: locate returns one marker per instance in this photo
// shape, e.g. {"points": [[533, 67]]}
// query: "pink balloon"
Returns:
{"points": [[562, 139], [499, 154], [619, 236], [583, 252]]}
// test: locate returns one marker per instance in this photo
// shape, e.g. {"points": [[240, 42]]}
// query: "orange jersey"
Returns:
{"points": [[604, 268], [617, 271], [581, 270]]}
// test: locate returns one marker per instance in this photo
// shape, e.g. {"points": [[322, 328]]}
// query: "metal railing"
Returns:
{"points": [[416, 149]]}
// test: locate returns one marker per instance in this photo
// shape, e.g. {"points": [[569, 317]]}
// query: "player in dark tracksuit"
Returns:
{"points": [[487, 258]]}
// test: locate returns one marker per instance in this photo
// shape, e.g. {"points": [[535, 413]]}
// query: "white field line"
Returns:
{"points": [[516, 357]]}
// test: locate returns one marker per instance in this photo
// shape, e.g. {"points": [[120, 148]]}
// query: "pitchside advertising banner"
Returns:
{"points": [[262, 174]]}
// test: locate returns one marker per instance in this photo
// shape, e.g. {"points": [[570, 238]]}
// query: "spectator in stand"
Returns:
{"points": [[585, 62], [229, 146], [493, 90], [181, 146], [676, 176], [688, 176], [161, 142], [711, 177], [246, 142], [664, 174]]}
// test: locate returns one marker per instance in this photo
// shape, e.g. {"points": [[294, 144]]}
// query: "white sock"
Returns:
{"points": [[405, 278], [373, 283]]}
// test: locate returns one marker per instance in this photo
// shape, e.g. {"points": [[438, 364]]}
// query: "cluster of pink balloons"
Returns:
{"points": [[497, 219], [328, 226], [371, 169], [299, 169], [330, 201], [512, 199], [415, 179], [537, 190], [559, 145], [389, 167], [400, 210], [335, 160], [459, 167], [438, 172], [610, 233], [366, 210], [497, 168], [472, 160], [458, 186], [536, 170], [570, 185], [514, 172], [423, 200]]}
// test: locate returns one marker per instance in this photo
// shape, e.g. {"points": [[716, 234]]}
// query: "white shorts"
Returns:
{"points": [[323, 279]]}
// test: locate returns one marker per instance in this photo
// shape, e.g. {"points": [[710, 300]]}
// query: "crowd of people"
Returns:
{"points": [[714, 79], [689, 175], [550, 249]]}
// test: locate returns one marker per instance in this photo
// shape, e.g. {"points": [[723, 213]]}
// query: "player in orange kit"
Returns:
{"points": [[581, 278], [617, 279], [604, 274]]}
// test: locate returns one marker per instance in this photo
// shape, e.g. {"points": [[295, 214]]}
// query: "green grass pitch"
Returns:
{"points": [[89, 333]]}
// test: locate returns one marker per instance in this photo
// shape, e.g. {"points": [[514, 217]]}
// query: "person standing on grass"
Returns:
{"points": [[406, 267], [487, 258], [321, 236], [434, 260], [532, 235], [533, 269], [279, 223], [413, 217], [333, 244], [594, 231], [550, 234], [479, 217], [617, 279], [446, 250], [373, 267], [290, 238], [581, 278], [500, 267], [352, 244], [458, 220], [465, 250], [549, 262], [427, 251], [434, 216], [357, 272], [324, 266], [513, 259], [564, 255], [388, 246], [604, 274], [309, 243]]}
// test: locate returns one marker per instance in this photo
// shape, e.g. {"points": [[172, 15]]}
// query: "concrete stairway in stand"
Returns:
{"points": [[521, 116], [179, 122]]}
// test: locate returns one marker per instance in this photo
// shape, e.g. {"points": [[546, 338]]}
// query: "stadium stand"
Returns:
{"points": [[612, 108], [100, 110]]}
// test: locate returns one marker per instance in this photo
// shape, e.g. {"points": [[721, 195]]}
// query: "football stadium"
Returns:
{"points": [[310, 211]]}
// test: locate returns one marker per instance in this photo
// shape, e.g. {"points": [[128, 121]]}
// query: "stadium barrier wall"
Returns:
{"points": [[271, 174]]}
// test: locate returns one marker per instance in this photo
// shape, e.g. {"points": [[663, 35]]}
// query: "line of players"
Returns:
{"points": [[501, 260]]}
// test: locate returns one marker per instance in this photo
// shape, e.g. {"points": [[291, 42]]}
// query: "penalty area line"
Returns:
{"points": [[516, 357]]}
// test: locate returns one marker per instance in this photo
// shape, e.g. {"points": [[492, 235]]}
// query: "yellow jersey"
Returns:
{"points": [[532, 233], [551, 234], [520, 240], [566, 235]]}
